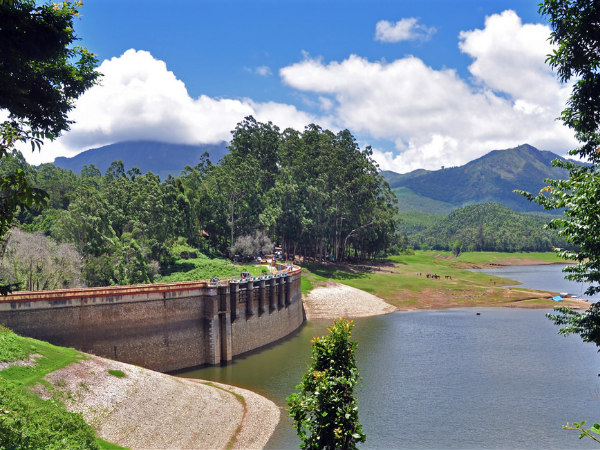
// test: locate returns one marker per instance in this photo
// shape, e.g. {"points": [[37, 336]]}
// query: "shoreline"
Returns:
{"points": [[142, 409], [438, 280], [151, 410]]}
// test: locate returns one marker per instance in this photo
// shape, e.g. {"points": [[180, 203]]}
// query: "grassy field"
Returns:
{"points": [[45, 422], [403, 282], [205, 268]]}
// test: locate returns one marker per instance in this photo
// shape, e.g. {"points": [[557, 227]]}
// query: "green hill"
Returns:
{"points": [[491, 178], [488, 227]]}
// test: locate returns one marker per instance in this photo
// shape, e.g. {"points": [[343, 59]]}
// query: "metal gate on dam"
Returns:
{"points": [[166, 326]]}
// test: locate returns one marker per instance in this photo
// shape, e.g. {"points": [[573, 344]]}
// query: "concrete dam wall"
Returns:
{"points": [[163, 327]]}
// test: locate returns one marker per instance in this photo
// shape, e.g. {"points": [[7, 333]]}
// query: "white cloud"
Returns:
{"points": [[509, 57], [263, 71], [433, 117], [407, 29], [437, 118], [139, 98]]}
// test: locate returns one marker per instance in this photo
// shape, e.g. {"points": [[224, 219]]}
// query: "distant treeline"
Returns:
{"points": [[316, 193], [482, 227]]}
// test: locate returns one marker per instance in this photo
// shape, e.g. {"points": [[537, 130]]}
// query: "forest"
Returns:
{"points": [[314, 193], [481, 227]]}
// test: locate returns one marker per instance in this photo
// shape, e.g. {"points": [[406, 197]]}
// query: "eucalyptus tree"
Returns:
{"points": [[247, 173]]}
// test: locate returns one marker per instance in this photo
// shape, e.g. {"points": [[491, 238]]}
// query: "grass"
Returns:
{"points": [[402, 281], [117, 373], [201, 268], [48, 358], [508, 258], [105, 445], [204, 268]]}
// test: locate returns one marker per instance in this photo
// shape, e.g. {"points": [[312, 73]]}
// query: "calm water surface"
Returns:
{"points": [[548, 277], [445, 380]]}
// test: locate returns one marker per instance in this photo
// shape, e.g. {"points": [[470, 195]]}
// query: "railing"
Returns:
{"points": [[137, 289]]}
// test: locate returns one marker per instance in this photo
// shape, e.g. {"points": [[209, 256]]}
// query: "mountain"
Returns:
{"points": [[160, 158], [491, 178]]}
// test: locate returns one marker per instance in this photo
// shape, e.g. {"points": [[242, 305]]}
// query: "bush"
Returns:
{"points": [[325, 411]]}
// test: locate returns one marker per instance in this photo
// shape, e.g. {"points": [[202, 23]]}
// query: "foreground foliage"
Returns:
{"points": [[575, 34], [42, 73], [325, 411], [29, 424], [575, 57]]}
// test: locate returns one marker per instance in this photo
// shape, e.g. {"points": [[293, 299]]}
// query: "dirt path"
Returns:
{"points": [[142, 409]]}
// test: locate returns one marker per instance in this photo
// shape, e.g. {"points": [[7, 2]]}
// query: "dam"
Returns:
{"points": [[164, 326]]}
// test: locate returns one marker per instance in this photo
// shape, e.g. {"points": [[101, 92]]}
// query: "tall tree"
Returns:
{"points": [[42, 72]]}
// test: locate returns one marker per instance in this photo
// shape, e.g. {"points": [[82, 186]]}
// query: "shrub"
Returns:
{"points": [[116, 373], [325, 411]]}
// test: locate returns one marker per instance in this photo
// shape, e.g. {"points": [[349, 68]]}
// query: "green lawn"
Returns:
{"points": [[402, 281], [27, 419]]}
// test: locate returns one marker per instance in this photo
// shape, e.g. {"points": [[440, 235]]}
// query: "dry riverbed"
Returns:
{"points": [[335, 300]]}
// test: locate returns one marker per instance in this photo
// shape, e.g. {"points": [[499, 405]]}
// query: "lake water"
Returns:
{"points": [[445, 379], [546, 276]]}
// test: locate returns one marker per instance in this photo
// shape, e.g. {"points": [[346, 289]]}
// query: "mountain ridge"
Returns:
{"points": [[492, 177], [160, 158]]}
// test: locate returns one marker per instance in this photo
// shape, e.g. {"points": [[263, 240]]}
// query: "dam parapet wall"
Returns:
{"points": [[164, 327]]}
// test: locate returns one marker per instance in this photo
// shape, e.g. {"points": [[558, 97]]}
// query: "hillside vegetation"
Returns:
{"points": [[315, 193], [491, 178], [487, 227]]}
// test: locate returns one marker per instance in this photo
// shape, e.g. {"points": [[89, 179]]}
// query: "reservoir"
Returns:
{"points": [[545, 276], [447, 379]]}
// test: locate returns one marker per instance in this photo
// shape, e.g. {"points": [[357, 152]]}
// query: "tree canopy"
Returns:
{"points": [[42, 72], [314, 193], [577, 57]]}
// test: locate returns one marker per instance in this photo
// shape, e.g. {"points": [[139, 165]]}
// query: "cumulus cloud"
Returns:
{"points": [[509, 56], [435, 117], [431, 117], [139, 98], [407, 29]]}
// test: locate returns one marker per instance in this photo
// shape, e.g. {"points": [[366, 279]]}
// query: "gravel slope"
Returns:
{"points": [[150, 410], [337, 300]]}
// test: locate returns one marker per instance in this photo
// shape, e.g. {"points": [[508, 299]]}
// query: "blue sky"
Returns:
{"points": [[426, 83]]}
